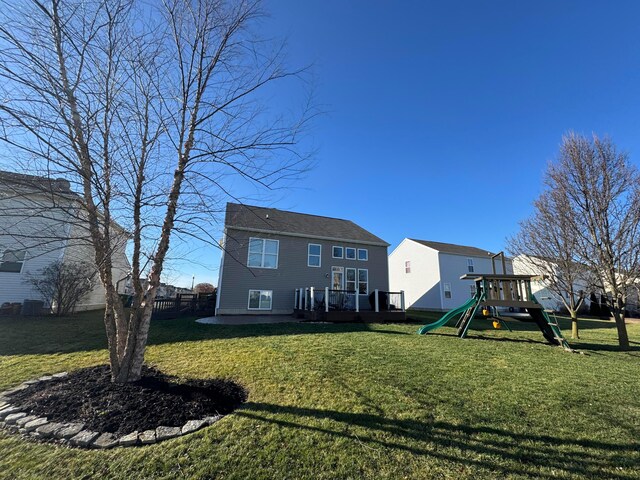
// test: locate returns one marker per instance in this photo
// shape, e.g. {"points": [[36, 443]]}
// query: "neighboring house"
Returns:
{"points": [[41, 223], [429, 272], [541, 268], [164, 290], [269, 253]]}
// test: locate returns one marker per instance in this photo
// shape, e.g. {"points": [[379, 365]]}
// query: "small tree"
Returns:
{"points": [[63, 285], [549, 241], [156, 112], [204, 288]]}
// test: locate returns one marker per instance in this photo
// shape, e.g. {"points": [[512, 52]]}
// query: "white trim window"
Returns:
{"points": [[337, 252], [260, 299], [263, 253], [447, 290], [350, 253], [363, 254], [314, 255], [350, 283], [470, 265], [12, 261], [407, 266], [363, 281]]}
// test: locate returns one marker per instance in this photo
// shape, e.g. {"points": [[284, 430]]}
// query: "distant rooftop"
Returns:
{"points": [[271, 219], [36, 183], [455, 249]]}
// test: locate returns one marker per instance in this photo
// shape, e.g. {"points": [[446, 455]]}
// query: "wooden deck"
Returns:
{"points": [[338, 316]]}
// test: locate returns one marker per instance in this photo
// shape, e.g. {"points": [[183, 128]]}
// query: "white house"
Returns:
{"points": [[526, 265], [429, 272], [41, 223]]}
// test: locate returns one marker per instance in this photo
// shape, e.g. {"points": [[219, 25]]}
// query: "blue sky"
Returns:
{"points": [[442, 116]]}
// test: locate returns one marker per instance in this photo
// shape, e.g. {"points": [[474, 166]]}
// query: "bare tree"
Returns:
{"points": [[600, 192], [548, 244], [155, 111], [63, 285]]}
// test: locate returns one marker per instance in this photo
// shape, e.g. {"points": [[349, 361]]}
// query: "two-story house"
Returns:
{"points": [[429, 272], [41, 222], [268, 254]]}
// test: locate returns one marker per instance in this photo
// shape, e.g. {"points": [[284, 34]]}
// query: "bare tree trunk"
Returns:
{"points": [[618, 315], [574, 325]]}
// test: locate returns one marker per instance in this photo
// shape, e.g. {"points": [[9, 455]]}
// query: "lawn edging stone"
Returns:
{"points": [[129, 439], [14, 417], [49, 430], [147, 437], [106, 440], [15, 420], [84, 438]]}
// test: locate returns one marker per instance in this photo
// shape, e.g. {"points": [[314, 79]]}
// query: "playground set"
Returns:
{"points": [[505, 291]]}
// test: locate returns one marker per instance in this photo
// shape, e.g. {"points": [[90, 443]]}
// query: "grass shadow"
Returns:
{"points": [[498, 450], [85, 332]]}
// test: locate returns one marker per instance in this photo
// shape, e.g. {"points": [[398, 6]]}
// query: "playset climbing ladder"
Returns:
{"points": [[503, 290]]}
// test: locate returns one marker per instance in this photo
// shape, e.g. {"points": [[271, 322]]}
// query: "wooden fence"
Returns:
{"points": [[185, 305]]}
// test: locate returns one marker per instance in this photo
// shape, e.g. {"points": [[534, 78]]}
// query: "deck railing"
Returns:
{"points": [[325, 299]]}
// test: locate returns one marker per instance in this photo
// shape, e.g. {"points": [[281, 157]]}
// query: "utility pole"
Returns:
{"points": [[193, 279]]}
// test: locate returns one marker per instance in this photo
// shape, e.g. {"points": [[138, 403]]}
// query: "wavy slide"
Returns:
{"points": [[451, 314]]}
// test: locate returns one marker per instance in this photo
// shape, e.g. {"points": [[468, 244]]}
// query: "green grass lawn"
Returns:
{"points": [[358, 401]]}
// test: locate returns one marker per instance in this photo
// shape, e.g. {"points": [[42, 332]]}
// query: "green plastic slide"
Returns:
{"points": [[451, 314]]}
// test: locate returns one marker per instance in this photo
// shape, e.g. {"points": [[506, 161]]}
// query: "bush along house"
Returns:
{"points": [[319, 268]]}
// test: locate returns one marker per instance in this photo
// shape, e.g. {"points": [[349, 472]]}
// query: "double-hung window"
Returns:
{"points": [[407, 266], [263, 253], [350, 284], [447, 290], [470, 265], [260, 299], [314, 255], [11, 261], [363, 281]]}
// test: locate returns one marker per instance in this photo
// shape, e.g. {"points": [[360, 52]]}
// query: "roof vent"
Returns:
{"points": [[63, 184]]}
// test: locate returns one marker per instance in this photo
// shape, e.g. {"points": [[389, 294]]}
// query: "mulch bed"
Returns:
{"points": [[89, 396]]}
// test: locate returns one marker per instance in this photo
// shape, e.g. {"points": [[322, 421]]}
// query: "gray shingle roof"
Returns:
{"points": [[455, 249], [250, 217], [23, 182]]}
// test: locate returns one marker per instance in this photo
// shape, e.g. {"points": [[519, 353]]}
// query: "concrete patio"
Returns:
{"points": [[247, 319]]}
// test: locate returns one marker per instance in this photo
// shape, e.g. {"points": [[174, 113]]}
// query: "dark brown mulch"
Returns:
{"points": [[89, 396]]}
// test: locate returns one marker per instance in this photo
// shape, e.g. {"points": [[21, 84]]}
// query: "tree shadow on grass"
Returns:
{"points": [[498, 450], [81, 333]]}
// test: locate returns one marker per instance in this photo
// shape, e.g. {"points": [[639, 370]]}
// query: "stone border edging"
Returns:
{"points": [[15, 420]]}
